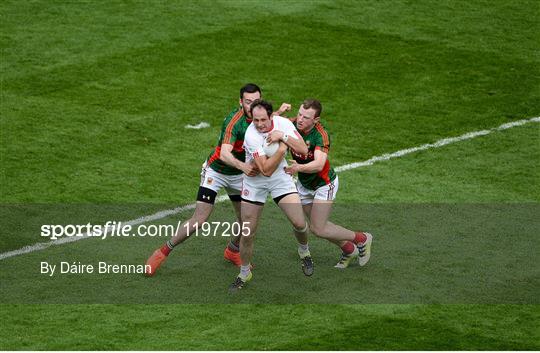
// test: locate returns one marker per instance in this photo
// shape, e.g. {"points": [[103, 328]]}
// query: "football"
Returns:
{"points": [[270, 148]]}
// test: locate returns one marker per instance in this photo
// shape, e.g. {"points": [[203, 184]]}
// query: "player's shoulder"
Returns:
{"points": [[233, 119], [235, 114], [321, 128], [251, 132], [321, 134], [282, 121]]}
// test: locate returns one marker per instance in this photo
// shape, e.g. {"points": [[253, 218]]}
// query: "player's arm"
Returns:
{"points": [[268, 165], [227, 157], [315, 166], [285, 107], [293, 140]]}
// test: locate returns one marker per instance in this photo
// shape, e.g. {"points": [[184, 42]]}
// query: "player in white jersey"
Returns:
{"points": [[272, 180]]}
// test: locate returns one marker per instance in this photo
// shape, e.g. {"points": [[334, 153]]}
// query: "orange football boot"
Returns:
{"points": [[233, 257], [154, 262]]}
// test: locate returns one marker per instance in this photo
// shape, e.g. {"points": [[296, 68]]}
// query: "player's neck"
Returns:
{"points": [[307, 132], [270, 128]]}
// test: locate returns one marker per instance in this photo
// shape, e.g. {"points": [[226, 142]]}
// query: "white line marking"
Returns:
{"points": [[201, 125], [440, 143], [371, 161]]}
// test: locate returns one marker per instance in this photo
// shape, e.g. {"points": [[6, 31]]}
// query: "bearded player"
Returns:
{"points": [[318, 184], [222, 169]]}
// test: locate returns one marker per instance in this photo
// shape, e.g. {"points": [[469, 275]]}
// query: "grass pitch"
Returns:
{"points": [[94, 101]]}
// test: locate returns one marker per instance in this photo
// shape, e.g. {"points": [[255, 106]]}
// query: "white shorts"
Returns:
{"points": [[215, 181], [326, 192], [256, 189]]}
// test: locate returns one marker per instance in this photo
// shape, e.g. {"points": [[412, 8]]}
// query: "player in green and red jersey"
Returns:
{"points": [[318, 184], [222, 169]]}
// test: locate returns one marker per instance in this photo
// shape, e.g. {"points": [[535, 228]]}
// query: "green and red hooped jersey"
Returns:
{"points": [[232, 132], [316, 139]]}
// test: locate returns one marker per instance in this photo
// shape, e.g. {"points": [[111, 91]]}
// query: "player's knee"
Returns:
{"points": [[248, 220], [301, 226], [317, 230]]}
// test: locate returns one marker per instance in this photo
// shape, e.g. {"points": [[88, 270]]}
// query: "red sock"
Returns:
{"points": [[165, 250], [359, 238], [233, 247], [348, 248]]}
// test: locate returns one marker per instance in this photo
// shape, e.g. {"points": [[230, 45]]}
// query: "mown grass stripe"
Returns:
{"points": [[166, 213]]}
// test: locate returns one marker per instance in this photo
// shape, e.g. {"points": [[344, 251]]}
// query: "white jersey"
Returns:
{"points": [[256, 189], [254, 140]]}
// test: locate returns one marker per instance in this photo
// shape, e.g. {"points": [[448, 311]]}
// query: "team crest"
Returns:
{"points": [[209, 180], [246, 192]]}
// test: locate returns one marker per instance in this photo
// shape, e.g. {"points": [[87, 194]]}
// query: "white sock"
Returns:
{"points": [[244, 271], [303, 250]]}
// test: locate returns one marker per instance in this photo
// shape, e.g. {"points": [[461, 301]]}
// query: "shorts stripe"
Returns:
{"points": [[203, 175], [330, 194], [253, 202]]}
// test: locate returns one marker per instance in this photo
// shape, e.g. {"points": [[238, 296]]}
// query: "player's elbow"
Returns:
{"points": [[303, 150], [266, 172], [223, 156], [319, 167]]}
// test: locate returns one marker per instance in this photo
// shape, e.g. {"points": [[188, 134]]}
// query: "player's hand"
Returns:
{"points": [[285, 107], [274, 136], [250, 169], [292, 168]]}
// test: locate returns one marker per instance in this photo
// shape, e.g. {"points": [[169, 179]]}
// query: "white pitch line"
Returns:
{"points": [[440, 143], [343, 168], [201, 125]]}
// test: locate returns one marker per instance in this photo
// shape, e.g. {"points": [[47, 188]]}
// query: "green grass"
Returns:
{"points": [[115, 123], [286, 327], [442, 251], [94, 100]]}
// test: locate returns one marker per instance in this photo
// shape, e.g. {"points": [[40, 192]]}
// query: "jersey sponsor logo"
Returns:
{"points": [[304, 157]]}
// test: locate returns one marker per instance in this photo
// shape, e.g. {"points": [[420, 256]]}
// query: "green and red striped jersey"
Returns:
{"points": [[232, 132], [316, 139]]}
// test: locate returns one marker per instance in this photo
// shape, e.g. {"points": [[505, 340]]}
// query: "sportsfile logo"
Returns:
{"points": [[120, 229], [110, 228]]}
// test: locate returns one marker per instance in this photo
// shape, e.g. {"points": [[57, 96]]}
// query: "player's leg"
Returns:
{"points": [[254, 196], [211, 183], [290, 205], [306, 198], [353, 244], [232, 250], [252, 212], [203, 209], [321, 227]]}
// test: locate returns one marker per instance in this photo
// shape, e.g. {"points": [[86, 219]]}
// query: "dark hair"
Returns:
{"points": [[249, 88], [313, 104], [266, 105]]}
